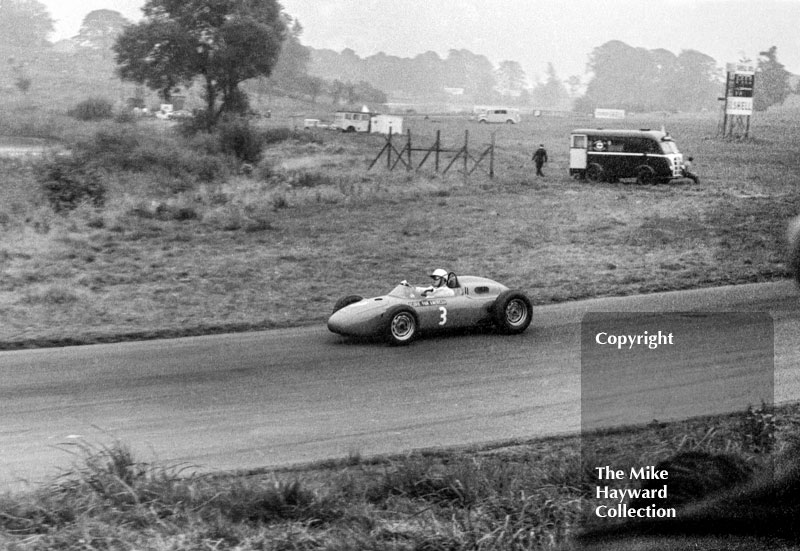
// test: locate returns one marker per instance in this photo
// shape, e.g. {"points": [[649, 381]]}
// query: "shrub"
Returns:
{"points": [[127, 149], [277, 135], [310, 179], [239, 139], [69, 182], [93, 109]]}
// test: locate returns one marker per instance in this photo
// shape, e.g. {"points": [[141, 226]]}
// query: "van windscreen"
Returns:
{"points": [[669, 147]]}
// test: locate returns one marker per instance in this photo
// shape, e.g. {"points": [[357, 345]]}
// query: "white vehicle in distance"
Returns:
{"points": [[314, 123], [352, 121], [502, 115]]}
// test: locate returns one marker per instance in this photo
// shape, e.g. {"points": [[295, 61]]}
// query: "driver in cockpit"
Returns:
{"points": [[439, 287]]}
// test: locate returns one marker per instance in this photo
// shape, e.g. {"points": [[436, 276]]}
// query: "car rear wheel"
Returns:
{"points": [[401, 326], [346, 301], [512, 312]]}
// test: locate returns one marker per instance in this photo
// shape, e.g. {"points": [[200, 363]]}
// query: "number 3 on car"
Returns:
{"points": [[443, 317]]}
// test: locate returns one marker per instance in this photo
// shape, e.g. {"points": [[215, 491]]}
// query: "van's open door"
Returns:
{"points": [[578, 145]]}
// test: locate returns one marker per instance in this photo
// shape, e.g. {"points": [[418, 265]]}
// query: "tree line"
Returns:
{"points": [[223, 44]]}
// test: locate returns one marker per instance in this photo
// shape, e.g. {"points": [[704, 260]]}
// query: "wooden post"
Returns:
{"points": [[408, 167], [466, 151], [491, 159], [438, 146], [389, 151]]}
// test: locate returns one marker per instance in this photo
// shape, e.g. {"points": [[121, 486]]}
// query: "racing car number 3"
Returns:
{"points": [[443, 315]]}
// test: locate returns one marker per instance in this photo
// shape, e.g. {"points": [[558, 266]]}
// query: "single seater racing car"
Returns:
{"points": [[406, 311]]}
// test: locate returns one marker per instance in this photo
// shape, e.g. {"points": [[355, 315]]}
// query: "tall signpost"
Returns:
{"points": [[738, 98]]}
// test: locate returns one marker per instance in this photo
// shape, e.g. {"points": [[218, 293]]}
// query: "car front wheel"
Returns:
{"points": [[401, 326]]}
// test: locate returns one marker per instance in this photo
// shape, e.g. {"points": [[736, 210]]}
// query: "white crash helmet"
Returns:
{"points": [[438, 272]]}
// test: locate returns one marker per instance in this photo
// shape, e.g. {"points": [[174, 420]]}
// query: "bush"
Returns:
{"points": [[239, 139], [93, 109], [69, 182], [277, 135], [131, 150]]}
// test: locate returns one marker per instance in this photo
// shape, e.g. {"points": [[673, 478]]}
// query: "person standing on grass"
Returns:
{"points": [[539, 158]]}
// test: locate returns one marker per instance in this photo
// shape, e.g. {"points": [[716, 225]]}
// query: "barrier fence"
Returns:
{"points": [[439, 155]]}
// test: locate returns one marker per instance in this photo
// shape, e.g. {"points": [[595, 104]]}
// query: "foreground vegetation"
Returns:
{"points": [[148, 232], [523, 495]]}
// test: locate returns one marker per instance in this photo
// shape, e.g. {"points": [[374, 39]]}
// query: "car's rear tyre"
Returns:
{"points": [[401, 326], [512, 312], [346, 301]]}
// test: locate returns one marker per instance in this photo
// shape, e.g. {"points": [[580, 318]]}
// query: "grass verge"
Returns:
{"points": [[514, 496]]}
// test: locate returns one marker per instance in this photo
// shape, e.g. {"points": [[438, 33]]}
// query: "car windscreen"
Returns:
{"points": [[402, 291]]}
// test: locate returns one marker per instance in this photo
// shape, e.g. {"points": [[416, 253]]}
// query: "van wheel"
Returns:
{"points": [[509, 121], [645, 175], [594, 172]]}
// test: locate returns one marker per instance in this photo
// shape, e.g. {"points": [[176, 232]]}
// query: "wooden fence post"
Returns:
{"points": [[389, 151], [408, 167], [438, 146], [466, 151], [491, 159]]}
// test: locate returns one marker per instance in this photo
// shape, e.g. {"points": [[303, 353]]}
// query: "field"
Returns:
{"points": [[188, 241], [183, 239]]}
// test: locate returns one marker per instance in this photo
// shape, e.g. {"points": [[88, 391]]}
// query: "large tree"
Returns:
{"points": [[551, 94], [771, 82], [637, 79], [511, 78], [222, 42], [24, 23], [100, 30]]}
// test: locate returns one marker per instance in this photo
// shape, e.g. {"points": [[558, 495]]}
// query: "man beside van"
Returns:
{"points": [[687, 170], [539, 158]]}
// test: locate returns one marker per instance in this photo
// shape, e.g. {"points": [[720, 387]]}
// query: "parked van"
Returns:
{"points": [[599, 154], [500, 115], [352, 121]]}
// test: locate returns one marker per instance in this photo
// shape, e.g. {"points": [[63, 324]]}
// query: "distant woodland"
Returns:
{"points": [[618, 75]]}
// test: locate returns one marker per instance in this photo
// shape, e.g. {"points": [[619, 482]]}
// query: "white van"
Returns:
{"points": [[503, 115], [352, 121]]}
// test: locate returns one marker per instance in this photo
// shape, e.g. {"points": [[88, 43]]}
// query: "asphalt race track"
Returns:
{"points": [[297, 395]]}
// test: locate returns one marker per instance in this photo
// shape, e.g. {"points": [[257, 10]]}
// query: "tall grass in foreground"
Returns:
{"points": [[528, 496]]}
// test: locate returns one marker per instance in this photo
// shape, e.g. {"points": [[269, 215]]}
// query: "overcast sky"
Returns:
{"points": [[532, 32]]}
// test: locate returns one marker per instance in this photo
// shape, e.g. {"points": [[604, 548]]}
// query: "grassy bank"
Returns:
{"points": [[524, 495], [188, 239]]}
